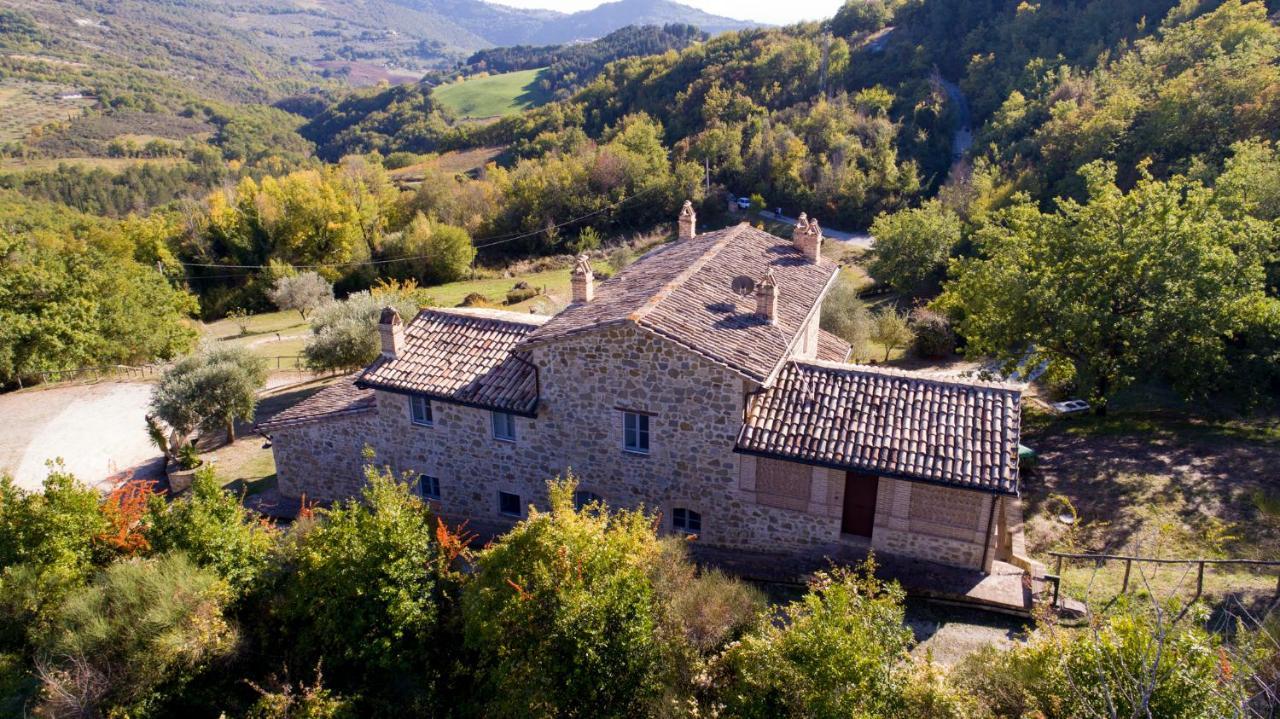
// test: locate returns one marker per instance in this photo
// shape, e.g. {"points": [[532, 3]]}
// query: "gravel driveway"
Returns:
{"points": [[97, 429]]}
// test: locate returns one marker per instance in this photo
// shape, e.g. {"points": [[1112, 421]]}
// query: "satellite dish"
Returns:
{"points": [[743, 285]]}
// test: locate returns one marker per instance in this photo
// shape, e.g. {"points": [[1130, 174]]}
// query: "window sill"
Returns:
{"points": [[422, 424], [504, 439], [636, 452]]}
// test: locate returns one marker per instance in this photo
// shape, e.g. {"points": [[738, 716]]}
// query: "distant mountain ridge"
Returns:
{"points": [[599, 21], [245, 49]]}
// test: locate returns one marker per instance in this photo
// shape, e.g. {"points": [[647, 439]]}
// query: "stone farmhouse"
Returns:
{"points": [[697, 383]]}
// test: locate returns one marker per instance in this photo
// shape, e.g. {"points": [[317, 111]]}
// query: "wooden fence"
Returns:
{"points": [[122, 371], [1101, 560]]}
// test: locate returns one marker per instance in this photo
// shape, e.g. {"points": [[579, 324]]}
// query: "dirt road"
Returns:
{"points": [[97, 429]]}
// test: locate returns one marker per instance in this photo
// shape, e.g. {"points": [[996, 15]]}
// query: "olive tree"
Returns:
{"points": [[344, 335], [210, 389], [303, 292]]}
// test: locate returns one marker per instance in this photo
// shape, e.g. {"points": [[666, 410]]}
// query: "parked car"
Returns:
{"points": [[744, 203]]}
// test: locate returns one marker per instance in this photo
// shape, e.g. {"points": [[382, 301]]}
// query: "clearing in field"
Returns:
{"points": [[494, 95], [24, 106]]}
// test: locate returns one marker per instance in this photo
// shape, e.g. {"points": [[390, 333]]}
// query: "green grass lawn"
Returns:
{"points": [[283, 334], [494, 95]]}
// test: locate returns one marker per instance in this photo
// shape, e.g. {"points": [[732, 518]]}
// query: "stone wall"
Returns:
{"points": [[322, 460], [941, 524]]}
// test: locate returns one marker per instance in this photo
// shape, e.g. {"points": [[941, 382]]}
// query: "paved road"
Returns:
{"points": [[861, 239], [97, 429], [962, 140]]}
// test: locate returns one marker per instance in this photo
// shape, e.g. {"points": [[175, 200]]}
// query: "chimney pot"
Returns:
{"points": [[687, 222], [767, 298], [583, 280], [807, 237], [391, 331]]}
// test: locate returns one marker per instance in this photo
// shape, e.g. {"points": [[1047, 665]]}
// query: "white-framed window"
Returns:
{"points": [[504, 426], [582, 498], [428, 487], [635, 432], [509, 504], [686, 520], [420, 410]]}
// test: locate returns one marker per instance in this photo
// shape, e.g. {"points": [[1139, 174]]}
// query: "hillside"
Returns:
{"points": [[241, 50]]}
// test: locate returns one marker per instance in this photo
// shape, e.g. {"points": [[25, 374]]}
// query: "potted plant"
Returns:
{"points": [[183, 467]]}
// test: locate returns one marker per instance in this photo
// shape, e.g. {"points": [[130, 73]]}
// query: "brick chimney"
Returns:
{"points": [[807, 236], [391, 330], [767, 298], [583, 280], [687, 222]]}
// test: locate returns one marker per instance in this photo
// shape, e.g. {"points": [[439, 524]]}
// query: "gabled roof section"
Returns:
{"points": [[340, 399], [682, 291], [463, 356], [889, 422], [831, 348]]}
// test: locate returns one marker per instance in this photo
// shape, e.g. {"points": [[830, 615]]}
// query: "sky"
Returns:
{"points": [[770, 11]]}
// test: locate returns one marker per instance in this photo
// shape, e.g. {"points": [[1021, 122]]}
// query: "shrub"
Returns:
{"points": [[48, 549], [846, 316], [363, 595], [520, 294], [283, 700], [211, 527], [934, 337], [475, 299], [1133, 662], [344, 335], [141, 631], [561, 615], [837, 652]]}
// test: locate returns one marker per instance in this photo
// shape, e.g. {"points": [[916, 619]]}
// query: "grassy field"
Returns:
{"points": [[503, 94], [1155, 483], [24, 106], [273, 335]]}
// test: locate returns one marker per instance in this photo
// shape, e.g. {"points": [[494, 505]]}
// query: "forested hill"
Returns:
{"points": [[851, 118]]}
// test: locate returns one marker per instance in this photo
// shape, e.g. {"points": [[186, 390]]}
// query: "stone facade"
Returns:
{"points": [[619, 351], [694, 408]]}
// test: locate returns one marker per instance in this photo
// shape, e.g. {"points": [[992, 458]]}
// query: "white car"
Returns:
{"points": [[744, 203]]}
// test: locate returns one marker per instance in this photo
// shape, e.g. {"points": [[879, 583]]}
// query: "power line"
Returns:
{"points": [[487, 242]]}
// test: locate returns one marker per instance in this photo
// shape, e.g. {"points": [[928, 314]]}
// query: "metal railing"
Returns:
{"points": [[1100, 560]]}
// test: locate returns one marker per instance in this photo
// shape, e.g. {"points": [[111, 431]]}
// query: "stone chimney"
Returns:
{"points": [[687, 222], [391, 330], [807, 237], [767, 298], [583, 281]]}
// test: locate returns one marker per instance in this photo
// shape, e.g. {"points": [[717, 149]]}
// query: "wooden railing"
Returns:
{"points": [[1101, 559]]}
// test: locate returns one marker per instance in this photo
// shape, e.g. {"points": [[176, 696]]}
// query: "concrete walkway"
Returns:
{"points": [[1007, 589]]}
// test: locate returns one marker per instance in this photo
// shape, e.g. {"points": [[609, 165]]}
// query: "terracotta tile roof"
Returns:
{"points": [[463, 355], [833, 349], [682, 291], [340, 399], [890, 422]]}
